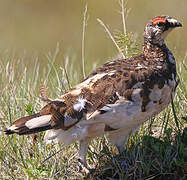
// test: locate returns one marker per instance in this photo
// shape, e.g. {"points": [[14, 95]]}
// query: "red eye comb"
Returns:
{"points": [[156, 20]]}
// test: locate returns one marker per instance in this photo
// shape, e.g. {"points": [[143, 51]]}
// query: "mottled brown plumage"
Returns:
{"points": [[115, 99]]}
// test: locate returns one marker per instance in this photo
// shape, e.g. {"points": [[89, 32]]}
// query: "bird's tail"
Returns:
{"points": [[30, 124]]}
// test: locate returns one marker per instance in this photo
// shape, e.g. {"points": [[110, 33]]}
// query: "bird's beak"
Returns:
{"points": [[174, 23]]}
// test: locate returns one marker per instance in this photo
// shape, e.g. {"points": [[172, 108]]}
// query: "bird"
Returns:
{"points": [[114, 100]]}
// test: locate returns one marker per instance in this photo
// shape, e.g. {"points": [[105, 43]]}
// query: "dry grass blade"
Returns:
{"points": [[50, 156], [121, 2], [175, 116], [83, 40], [111, 37]]}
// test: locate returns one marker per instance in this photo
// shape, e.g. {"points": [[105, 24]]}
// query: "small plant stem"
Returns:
{"points": [[50, 156], [83, 40], [174, 113], [121, 2], [123, 16], [111, 37]]}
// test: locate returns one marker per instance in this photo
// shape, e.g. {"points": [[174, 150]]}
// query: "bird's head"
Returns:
{"points": [[158, 28]]}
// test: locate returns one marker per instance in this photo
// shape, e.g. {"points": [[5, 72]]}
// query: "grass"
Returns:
{"points": [[157, 151]]}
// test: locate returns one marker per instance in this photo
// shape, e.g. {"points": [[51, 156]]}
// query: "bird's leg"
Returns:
{"points": [[83, 148], [121, 148], [118, 139], [121, 145]]}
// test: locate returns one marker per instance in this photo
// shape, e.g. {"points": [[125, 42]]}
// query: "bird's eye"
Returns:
{"points": [[160, 24]]}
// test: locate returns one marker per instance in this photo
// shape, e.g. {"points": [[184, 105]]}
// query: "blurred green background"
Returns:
{"points": [[32, 28]]}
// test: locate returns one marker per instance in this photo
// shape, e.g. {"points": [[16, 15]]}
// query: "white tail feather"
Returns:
{"points": [[38, 122], [12, 128]]}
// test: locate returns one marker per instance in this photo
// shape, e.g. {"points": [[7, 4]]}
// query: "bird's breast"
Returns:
{"points": [[142, 105]]}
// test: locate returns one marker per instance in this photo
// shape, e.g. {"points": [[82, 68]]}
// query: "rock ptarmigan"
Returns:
{"points": [[114, 99]]}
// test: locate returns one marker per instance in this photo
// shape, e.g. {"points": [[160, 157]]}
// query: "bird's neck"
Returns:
{"points": [[153, 51]]}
